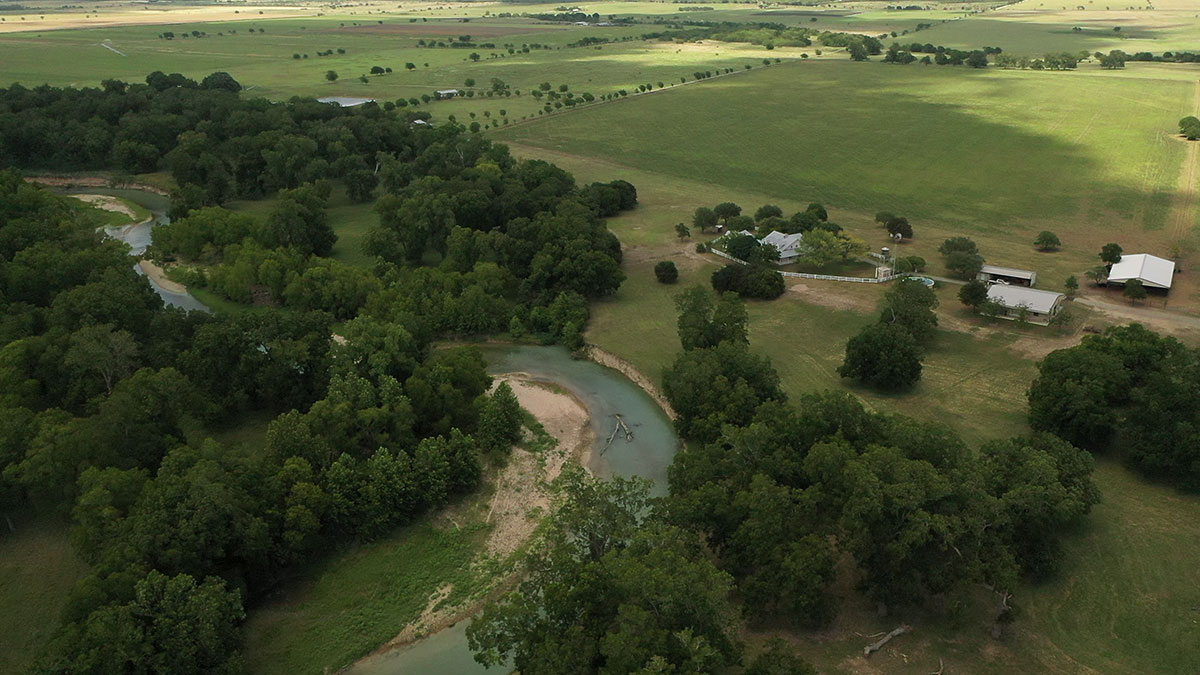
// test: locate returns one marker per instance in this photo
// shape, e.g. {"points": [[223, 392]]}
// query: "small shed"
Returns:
{"points": [[446, 93], [1006, 275], [1152, 271], [1039, 306]]}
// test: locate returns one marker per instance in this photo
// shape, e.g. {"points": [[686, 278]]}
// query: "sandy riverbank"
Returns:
{"points": [[611, 360], [107, 203], [520, 499], [159, 275]]}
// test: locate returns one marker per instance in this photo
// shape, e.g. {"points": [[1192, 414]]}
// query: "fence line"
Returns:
{"points": [[823, 277]]}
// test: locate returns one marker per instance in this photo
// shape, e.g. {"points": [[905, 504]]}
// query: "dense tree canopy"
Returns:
{"points": [[611, 591], [1127, 390]]}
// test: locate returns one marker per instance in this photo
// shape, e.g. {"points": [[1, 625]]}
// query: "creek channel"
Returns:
{"points": [[606, 393], [137, 235]]}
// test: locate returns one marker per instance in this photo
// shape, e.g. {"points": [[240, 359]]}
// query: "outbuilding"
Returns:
{"points": [[1006, 275], [1038, 306], [1152, 271], [345, 101], [446, 93]]}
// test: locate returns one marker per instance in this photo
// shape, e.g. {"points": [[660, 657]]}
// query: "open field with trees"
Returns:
{"points": [[284, 484], [998, 156]]}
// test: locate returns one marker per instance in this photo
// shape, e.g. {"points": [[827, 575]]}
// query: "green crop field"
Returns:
{"points": [[1034, 27]]}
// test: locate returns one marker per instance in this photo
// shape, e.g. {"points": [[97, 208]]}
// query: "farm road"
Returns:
{"points": [[1183, 217]]}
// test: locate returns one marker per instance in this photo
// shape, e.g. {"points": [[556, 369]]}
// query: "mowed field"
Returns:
{"points": [[994, 155]]}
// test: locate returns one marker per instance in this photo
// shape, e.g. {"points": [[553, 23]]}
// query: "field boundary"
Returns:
{"points": [[637, 94], [823, 277]]}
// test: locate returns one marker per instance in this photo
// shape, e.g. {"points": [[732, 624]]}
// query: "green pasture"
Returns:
{"points": [[347, 604], [995, 155], [1034, 27], [38, 568], [264, 62]]}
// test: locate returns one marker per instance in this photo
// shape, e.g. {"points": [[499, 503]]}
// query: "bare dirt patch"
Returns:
{"points": [[836, 295]]}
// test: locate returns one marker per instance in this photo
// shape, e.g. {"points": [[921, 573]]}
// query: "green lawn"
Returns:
{"points": [[38, 568], [1130, 602], [346, 605]]}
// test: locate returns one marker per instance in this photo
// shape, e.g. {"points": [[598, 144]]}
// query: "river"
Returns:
{"points": [[138, 236], [604, 392]]}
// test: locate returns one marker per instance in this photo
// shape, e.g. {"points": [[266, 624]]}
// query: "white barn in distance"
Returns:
{"points": [[1152, 271]]}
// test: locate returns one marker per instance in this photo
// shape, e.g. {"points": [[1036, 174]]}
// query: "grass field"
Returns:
{"points": [[1034, 27], [37, 571], [346, 605], [996, 155]]}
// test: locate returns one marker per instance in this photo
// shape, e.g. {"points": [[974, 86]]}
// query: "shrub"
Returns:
{"points": [[666, 272]]}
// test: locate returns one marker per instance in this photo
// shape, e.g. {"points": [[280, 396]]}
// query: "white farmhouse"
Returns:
{"points": [[788, 245]]}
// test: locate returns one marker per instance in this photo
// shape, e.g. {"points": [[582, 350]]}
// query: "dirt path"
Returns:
{"points": [[1183, 215], [520, 500], [1166, 321]]}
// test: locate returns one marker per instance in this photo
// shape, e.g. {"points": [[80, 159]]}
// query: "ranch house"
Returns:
{"points": [[1006, 275], [1152, 271], [1039, 306], [446, 93], [788, 245]]}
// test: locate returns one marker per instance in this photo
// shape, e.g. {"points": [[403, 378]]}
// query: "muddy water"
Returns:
{"points": [[606, 393]]}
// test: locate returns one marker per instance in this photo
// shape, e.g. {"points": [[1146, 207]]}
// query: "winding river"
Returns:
{"points": [[138, 236], [604, 392]]}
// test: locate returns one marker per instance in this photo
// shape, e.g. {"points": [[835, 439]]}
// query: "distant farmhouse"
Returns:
{"points": [[789, 246], [1152, 271], [1006, 275], [1038, 306], [345, 101], [446, 93]]}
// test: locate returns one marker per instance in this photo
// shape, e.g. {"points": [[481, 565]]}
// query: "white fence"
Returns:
{"points": [[823, 277]]}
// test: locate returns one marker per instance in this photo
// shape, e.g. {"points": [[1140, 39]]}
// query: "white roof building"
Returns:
{"points": [[345, 101], [1152, 271], [1039, 306], [789, 245], [1009, 275]]}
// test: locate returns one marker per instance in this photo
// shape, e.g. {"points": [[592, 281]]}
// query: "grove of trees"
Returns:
{"points": [[779, 493], [1128, 392], [109, 400]]}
